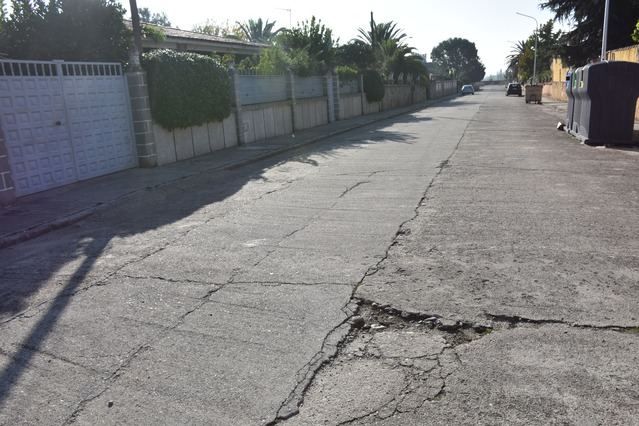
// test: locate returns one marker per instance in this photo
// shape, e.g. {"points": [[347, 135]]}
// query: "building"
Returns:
{"points": [[190, 41]]}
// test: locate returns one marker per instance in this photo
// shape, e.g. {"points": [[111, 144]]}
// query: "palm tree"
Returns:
{"points": [[512, 60], [397, 58], [379, 32], [259, 31], [136, 49], [392, 56]]}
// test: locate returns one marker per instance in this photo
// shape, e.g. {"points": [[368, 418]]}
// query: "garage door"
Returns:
{"points": [[64, 122]]}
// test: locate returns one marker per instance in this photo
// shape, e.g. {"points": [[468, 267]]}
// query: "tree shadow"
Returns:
{"points": [[46, 272]]}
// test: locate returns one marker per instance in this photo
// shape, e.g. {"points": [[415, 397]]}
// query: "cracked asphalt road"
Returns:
{"points": [[489, 258], [215, 299]]}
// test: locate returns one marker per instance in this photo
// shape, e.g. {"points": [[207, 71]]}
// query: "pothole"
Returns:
{"points": [[391, 362]]}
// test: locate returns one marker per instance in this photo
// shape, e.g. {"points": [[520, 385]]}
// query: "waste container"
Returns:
{"points": [[533, 93], [577, 84], [608, 93], [571, 101]]}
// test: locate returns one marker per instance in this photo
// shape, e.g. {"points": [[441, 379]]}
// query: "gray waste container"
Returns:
{"points": [[607, 93], [571, 100], [578, 93]]}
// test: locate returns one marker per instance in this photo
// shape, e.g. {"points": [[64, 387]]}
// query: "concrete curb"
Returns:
{"points": [[67, 220]]}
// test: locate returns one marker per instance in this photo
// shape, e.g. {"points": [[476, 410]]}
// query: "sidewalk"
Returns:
{"points": [[36, 214]]}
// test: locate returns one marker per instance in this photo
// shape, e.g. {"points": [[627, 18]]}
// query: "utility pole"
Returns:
{"points": [[534, 79], [290, 23], [604, 38]]}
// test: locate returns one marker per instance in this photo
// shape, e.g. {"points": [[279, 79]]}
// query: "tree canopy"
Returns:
{"points": [[583, 42], [521, 59], [259, 31], [382, 46], [214, 28], [459, 57], [65, 29], [156, 18]]}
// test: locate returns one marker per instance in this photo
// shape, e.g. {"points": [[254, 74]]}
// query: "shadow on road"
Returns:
{"points": [[44, 274]]}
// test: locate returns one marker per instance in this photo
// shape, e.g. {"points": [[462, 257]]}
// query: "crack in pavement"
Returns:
{"points": [[83, 403], [328, 350], [513, 320], [352, 187], [284, 283], [387, 338], [287, 410], [401, 229], [169, 280], [129, 359]]}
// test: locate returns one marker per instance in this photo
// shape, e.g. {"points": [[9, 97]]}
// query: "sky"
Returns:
{"points": [[492, 25]]}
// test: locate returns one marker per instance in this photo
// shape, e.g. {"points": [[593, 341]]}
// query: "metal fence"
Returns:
{"points": [[348, 87], [310, 87], [257, 89]]}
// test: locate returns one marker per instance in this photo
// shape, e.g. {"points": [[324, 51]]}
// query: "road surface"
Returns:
{"points": [[463, 264]]}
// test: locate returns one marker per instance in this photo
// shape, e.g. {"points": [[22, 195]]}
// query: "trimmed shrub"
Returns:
{"points": [[347, 73], [186, 89], [373, 86]]}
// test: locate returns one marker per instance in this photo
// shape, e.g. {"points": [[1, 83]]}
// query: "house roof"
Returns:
{"points": [[191, 41]]}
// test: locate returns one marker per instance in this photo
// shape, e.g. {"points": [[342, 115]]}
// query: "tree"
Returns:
{"points": [[583, 42], [512, 60], [380, 32], [158, 18], [382, 47], [521, 59], [635, 34], [313, 38], [459, 57], [213, 28], [259, 31], [66, 29], [355, 54], [136, 50]]}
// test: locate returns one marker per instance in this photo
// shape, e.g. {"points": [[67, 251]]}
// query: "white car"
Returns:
{"points": [[467, 89]]}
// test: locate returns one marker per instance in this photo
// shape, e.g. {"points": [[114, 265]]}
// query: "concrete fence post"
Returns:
{"points": [[330, 96], [142, 120], [412, 93], [7, 188], [362, 95], [337, 95], [235, 98], [291, 95]]}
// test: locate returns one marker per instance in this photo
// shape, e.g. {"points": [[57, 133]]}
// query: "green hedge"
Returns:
{"points": [[373, 86], [186, 89], [347, 73]]}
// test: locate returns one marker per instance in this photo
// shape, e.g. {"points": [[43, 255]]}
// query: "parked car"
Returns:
{"points": [[467, 89], [513, 89]]}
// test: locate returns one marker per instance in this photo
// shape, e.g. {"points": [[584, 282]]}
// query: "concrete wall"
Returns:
{"points": [[397, 95], [182, 144], [350, 106], [7, 189], [421, 94], [262, 121], [311, 112], [630, 54], [556, 89], [371, 107], [442, 88]]}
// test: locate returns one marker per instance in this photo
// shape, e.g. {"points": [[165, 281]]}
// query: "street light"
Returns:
{"points": [[604, 39], [534, 80]]}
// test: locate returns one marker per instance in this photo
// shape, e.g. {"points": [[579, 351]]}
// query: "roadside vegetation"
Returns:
{"points": [[581, 43]]}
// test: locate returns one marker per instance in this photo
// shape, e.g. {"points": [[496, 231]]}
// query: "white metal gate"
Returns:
{"points": [[64, 122]]}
